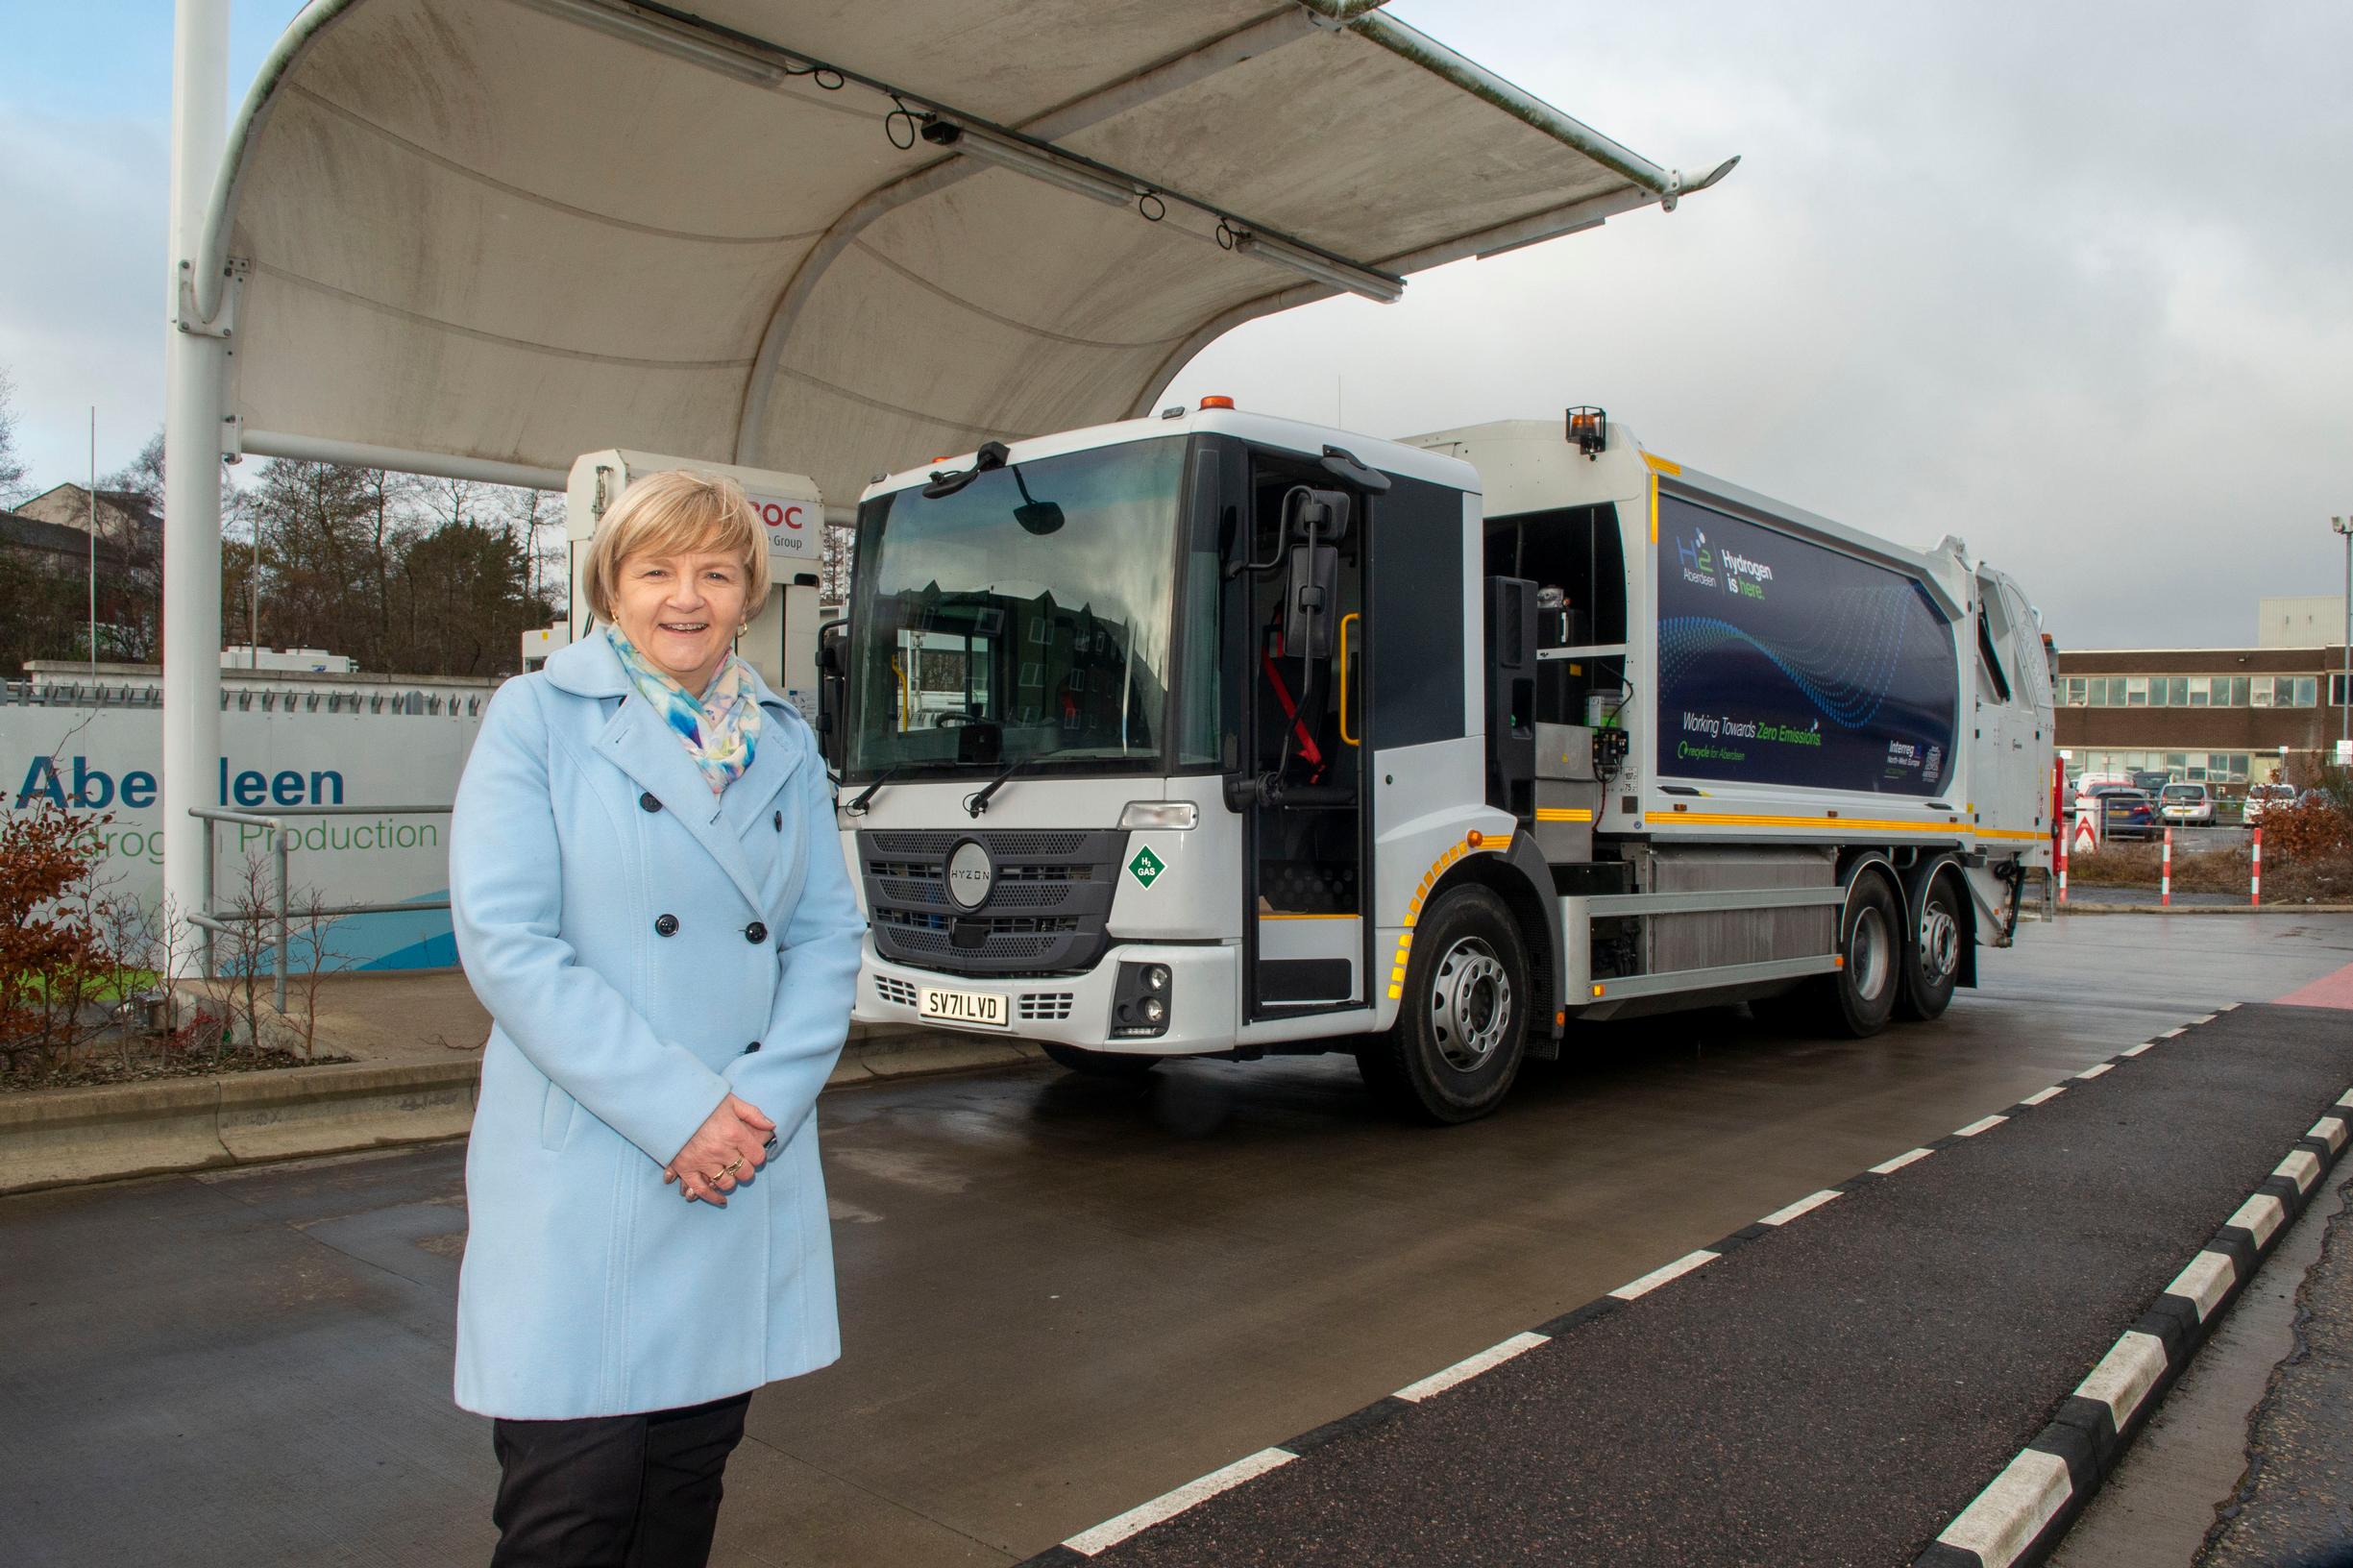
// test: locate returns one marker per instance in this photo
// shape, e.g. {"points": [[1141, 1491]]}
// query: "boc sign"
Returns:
{"points": [[790, 524]]}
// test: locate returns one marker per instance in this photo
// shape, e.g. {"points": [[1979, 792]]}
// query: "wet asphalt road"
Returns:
{"points": [[1060, 1298], [1830, 1392]]}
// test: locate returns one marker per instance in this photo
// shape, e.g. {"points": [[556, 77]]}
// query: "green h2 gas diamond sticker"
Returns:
{"points": [[1146, 866]]}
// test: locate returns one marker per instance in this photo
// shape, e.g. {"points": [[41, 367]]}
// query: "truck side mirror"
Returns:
{"points": [[832, 693]]}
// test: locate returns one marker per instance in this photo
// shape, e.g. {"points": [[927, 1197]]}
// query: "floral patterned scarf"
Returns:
{"points": [[718, 730]]}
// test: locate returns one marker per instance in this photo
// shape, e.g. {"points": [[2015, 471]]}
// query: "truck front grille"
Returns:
{"points": [[1046, 913]]}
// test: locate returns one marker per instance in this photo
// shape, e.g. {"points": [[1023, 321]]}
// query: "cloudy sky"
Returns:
{"points": [[2069, 280]]}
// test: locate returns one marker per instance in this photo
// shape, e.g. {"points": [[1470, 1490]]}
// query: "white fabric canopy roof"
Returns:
{"points": [[514, 231]]}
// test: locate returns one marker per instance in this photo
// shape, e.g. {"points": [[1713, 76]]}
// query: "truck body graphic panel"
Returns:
{"points": [[1781, 661]]}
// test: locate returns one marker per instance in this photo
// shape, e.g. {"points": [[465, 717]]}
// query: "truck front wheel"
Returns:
{"points": [[1462, 1022]]}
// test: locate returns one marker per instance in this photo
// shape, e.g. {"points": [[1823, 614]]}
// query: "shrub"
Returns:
{"points": [[2318, 829], [52, 961]]}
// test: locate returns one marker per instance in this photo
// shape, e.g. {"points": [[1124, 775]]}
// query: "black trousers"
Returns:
{"points": [[613, 1491]]}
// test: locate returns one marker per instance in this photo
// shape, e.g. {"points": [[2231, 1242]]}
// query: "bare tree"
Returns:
{"points": [[313, 957], [838, 552], [11, 466], [241, 953], [142, 476]]}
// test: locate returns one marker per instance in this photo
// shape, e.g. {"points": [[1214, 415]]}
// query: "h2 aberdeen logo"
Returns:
{"points": [[1698, 559]]}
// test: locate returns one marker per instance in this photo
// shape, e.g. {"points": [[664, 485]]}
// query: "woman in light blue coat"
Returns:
{"points": [[651, 900]]}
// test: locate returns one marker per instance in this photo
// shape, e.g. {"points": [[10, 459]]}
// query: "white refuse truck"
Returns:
{"points": [[1220, 734]]}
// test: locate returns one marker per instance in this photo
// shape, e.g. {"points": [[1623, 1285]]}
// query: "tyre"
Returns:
{"points": [[1862, 992], [1461, 1027], [1933, 951], [1099, 1064]]}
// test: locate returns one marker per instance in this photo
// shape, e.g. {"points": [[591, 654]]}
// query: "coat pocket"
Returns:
{"points": [[555, 1118]]}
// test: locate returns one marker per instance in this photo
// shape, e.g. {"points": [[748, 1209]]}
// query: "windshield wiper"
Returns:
{"points": [[857, 807], [978, 800]]}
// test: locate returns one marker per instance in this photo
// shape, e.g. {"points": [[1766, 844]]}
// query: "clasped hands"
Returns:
{"points": [[730, 1144]]}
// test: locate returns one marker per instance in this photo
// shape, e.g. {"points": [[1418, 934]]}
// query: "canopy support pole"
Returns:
{"points": [[195, 385]]}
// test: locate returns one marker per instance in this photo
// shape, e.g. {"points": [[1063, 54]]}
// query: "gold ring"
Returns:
{"points": [[732, 1169]]}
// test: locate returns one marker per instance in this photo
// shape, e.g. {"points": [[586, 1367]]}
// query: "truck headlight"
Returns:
{"points": [[1141, 995]]}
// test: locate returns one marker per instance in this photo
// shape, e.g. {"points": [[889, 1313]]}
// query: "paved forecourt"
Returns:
{"points": [[1869, 1376]]}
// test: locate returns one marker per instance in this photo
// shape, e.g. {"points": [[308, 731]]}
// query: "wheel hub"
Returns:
{"points": [[1867, 953], [1470, 1004], [1940, 941]]}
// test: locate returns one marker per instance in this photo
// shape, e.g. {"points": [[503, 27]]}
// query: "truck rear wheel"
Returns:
{"points": [[1862, 992], [1099, 1064], [1932, 952], [1463, 1023]]}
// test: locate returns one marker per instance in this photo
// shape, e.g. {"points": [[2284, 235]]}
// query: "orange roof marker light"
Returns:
{"points": [[1589, 430], [1214, 400]]}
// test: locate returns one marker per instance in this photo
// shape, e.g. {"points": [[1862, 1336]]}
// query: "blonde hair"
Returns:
{"points": [[675, 512]]}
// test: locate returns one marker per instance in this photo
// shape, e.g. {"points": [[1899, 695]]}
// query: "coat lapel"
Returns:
{"points": [[638, 742], [775, 759]]}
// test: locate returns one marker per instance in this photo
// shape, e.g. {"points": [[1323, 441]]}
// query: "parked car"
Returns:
{"points": [[2126, 813], [2260, 797], [2187, 805], [2152, 780]]}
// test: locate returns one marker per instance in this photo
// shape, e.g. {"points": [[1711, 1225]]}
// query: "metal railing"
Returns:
{"points": [[224, 923]]}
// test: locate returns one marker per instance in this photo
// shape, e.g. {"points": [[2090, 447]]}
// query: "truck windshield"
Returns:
{"points": [[1028, 612]]}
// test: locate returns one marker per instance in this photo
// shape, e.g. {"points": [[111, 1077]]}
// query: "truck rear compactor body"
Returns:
{"points": [[1220, 734]]}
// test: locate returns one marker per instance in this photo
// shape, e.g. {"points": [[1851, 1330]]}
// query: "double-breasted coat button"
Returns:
{"points": [[753, 1047], [666, 926], [647, 802], [755, 932]]}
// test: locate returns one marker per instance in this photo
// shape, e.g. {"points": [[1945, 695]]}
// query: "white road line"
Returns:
{"points": [[2138, 1049], [2126, 1375], [2302, 1167], [1983, 1124], [2171, 1032], [1657, 1277], [1888, 1168], [2329, 1129], [1804, 1206], [2205, 1281], [2093, 1072], [2261, 1214], [2042, 1095], [1168, 1505], [1470, 1367], [2005, 1518]]}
